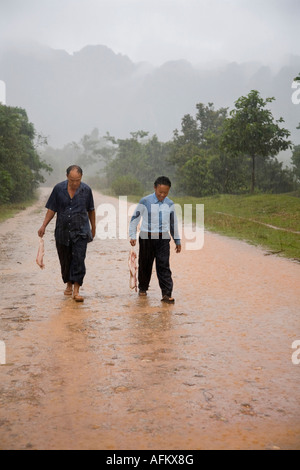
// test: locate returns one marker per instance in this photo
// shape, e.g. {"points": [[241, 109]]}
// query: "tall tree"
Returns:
{"points": [[252, 131], [296, 161], [211, 122], [20, 163]]}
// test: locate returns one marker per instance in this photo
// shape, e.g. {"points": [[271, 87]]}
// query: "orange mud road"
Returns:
{"points": [[214, 371]]}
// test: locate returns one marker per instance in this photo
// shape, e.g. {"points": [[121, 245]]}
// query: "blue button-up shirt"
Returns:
{"points": [[158, 217], [72, 214]]}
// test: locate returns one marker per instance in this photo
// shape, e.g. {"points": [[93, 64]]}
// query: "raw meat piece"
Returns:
{"points": [[133, 270], [40, 254]]}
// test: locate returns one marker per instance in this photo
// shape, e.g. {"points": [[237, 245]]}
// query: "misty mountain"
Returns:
{"points": [[66, 96]]}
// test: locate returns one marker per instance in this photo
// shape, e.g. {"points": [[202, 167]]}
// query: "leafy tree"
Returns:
{"points": [[156, 160], [273, 178], [196, 177], [229, 173], [190, 132], [140, 158], [210, 125], [296, 161], [127, 185], [195, 151], [252, 131], [20, 164], [129, 160]]}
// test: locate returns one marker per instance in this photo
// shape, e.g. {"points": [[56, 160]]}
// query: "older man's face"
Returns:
{"points": [[74, 179]]}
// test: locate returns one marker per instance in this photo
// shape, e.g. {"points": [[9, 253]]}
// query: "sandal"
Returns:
{"points": [[142, 293], [78, 298], [168, 300], [68, 292]]}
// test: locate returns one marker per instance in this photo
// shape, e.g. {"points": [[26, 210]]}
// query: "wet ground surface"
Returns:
{"points": [[214, 371]]}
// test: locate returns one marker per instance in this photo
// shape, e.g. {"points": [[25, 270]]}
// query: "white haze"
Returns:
{"points": [[156, 31]]}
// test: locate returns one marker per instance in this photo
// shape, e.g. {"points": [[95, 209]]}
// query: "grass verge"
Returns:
{"points": [[10, 210], [268, 220]]}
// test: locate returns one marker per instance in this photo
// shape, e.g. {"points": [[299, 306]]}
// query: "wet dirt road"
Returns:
{"points": [[214, 371]]}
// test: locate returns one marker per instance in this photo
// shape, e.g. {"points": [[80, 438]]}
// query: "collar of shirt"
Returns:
{"points": [[157, 201]]}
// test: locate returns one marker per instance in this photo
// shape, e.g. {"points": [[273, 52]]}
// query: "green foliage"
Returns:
{"points": [[139, 158], [201, 169], [6, 186], [251, 131], [20, 164], [296, 161], [127, 185], [214, 153]]}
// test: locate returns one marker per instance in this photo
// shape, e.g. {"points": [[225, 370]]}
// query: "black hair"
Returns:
{"points": [[163, 180], [74, 167]]}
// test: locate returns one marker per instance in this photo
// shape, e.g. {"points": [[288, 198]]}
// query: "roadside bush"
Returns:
{"points": [[6, 186], [127, 185]]}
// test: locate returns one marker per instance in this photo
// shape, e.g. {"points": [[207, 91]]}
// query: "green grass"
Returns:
{"points": [[10, 210], [242, 217]]}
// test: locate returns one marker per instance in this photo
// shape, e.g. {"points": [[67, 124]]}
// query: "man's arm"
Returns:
{"points": [[49, 216], [174, 230], [135, 219], [92, 217]]}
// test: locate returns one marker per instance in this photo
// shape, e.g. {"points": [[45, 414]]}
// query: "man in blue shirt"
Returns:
{"points": [[73, 203], [158, 222]]}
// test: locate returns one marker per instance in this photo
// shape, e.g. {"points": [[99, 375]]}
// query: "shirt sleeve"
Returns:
{"points": [[52, 201], [135, 219], [90, 202], [174, 226]]}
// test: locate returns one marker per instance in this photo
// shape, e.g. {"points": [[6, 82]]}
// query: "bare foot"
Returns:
{"points": [[76, 296], [69, 289]]}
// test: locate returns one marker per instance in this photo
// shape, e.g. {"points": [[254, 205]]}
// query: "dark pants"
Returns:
{"points": [[160, 251], [72, 261]]}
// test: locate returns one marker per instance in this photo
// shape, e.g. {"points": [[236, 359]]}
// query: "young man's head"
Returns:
{"points": [[162, 187], [74, 175]]}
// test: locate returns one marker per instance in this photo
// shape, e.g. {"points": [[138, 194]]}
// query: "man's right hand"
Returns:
{"points": [[132, 242], [49, 216], [41, 231]]}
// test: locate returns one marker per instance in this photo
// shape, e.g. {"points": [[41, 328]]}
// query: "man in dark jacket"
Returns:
{"points": [[72, 201]]}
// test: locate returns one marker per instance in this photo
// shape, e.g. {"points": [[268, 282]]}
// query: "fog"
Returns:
{"points": [[124, 65], [200, 31]]}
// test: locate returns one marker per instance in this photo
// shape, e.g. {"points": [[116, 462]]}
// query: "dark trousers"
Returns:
{"points": [[72, 261], [158, 250]]}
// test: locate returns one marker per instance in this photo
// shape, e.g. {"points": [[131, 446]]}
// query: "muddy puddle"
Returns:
{"points": [[214, 371]]}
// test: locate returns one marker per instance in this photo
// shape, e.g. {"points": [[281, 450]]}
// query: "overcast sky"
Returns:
{"points": [[156, 31]]}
